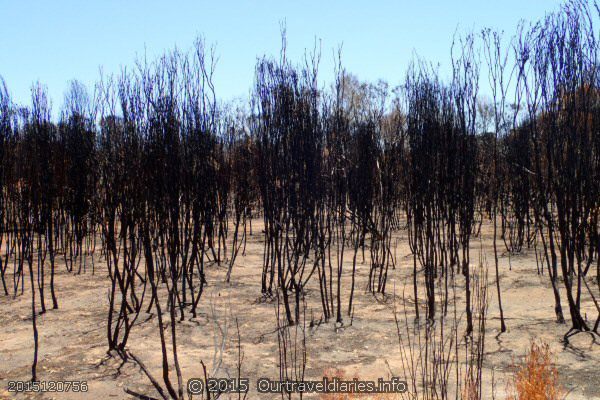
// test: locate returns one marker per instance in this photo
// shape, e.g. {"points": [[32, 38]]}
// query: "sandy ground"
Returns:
{"points": [[73, 338]]}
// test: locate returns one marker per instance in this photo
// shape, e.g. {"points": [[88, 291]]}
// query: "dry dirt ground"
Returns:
{"points": [[73, 338]]}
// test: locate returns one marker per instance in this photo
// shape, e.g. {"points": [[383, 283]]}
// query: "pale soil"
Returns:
{"points": [[73, 338]]}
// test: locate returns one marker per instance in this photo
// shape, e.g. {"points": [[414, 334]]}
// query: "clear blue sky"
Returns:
{"points": [[56, 41]]}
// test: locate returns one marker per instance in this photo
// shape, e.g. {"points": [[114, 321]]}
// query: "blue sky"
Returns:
{"points": [[56, 41]]}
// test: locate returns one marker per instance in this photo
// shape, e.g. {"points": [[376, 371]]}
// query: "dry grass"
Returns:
{"points": [[470, 390], [537, 377]]}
